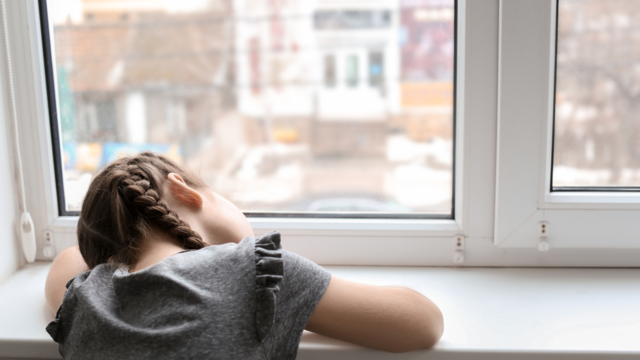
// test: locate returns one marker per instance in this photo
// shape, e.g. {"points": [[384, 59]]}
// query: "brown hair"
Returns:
{"points": [[124, 202]]}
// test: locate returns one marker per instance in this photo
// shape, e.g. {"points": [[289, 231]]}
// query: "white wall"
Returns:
{"points": [[11, 257]]}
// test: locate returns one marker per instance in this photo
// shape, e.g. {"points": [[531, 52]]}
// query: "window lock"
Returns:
{"points": [[458, 251], [543, 236]]}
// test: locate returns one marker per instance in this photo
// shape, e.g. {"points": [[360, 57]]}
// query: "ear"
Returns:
{"points": [[183, 192]]}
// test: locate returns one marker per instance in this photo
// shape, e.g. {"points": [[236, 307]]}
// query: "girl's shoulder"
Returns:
{"points": [[257, 256]]}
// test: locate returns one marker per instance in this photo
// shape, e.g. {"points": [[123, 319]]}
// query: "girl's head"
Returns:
{"points": [[135, 197]]}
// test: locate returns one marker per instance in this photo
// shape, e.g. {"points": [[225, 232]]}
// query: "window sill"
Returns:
{"points": [[489, 313]]}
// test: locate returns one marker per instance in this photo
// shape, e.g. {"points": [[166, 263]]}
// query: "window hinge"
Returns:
{"points": [[458, 249], [543, 236], [49, 250]]}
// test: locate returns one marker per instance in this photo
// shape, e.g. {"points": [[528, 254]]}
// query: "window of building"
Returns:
{"points": [[376, 69], [329, 70], [352, 70]]}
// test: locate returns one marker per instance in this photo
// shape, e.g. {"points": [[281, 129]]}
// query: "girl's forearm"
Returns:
{"points": [[65, 267]]}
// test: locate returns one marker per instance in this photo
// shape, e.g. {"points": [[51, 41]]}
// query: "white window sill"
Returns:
{"points": [[498, 313]]}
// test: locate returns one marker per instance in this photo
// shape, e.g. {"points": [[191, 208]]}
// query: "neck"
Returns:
{"points": [[155, 247]]}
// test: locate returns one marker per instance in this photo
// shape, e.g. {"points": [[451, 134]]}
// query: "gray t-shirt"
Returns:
{"points": [[250, 300]]}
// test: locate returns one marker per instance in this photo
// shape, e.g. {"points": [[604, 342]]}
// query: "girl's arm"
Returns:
{"points": [[65, 267], [385, 318]]}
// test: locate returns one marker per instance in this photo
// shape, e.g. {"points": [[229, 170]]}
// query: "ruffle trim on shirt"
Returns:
{"points": [[54, 328], [269, 273]]}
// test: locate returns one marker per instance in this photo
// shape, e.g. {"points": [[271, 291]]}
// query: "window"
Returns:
{"points": [[353, 74], [539, 80], [499, 89], [596, 108], [329, 71], [267, 68], [376, 70], [251, 117]]}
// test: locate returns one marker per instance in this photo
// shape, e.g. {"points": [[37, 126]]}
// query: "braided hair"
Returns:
{"points": [[124, 202]]}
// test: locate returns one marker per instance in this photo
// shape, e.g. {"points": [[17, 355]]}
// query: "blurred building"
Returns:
{"points": [[339, 76], [143, 71], [323, 72], [597, 121], [427, 45]]}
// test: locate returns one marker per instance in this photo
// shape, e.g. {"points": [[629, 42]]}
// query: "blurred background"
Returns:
{"points": [[280, 105], [597, 127]]}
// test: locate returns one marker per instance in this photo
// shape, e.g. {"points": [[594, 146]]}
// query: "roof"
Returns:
{"points": [[150, 50]]}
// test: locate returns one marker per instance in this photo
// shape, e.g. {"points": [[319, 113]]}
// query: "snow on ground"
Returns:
{"points": [[571, 176], [402, 149], [420, 176], [76, 185], [416, 186]]}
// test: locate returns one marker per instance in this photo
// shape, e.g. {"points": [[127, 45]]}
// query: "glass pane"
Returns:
{"points": [[352, 71], [281, 106], [597, 118], [376, 69]]}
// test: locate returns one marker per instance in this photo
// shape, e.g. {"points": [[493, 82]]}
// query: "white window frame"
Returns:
{"points": [[40, 151], [492, 211], [577, 220]]}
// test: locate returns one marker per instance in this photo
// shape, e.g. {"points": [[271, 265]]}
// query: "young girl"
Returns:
{"points": [[168, 269]]}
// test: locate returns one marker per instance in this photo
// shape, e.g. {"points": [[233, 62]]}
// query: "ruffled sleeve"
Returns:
{"points": [[54, 328], [269, 272]]}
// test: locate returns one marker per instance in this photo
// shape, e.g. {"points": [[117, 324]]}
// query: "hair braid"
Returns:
{"points": [[123, 203], [139, 192]]}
